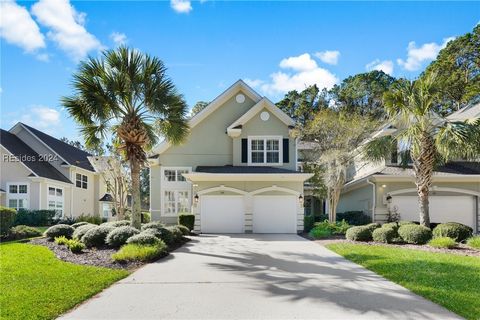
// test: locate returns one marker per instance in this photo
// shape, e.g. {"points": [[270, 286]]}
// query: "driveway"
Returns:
{"points": [[256, 277]]}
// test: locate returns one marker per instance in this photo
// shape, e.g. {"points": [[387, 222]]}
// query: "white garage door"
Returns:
{"points": [[442, 208], [222, 214], [275, 214]]}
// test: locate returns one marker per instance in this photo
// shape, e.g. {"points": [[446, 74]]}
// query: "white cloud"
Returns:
{"points": [[66, 27], [181, 6], [41, 117], [305, 73], [385, 66], [254, 82], [418, 55], [328, 56], [118, 38], [17, 27]]}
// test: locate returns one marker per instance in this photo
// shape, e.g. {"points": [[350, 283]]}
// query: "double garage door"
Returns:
{"points": [[270, 214]]}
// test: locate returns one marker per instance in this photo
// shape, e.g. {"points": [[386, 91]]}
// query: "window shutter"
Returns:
{"points": [[244, 150], [285, 151]]}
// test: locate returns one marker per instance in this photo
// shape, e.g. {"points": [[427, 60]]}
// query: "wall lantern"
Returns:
{"points": [[300, 200], [195, 199]]}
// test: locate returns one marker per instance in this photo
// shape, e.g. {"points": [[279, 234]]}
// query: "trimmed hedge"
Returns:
{"points": [[161, 233], [187, 220], [118, 236], [384, 234], [79, 224], [153, 225], [35, 217], [7, 219], [176, 234], [457, 231], [81, 230], [185, 231], [119, 223], [359, 233], [59, 230], [415, 234], [96, 236], [354, 218], [372, 226], [308, 223], [23, 232], [143, 238]]}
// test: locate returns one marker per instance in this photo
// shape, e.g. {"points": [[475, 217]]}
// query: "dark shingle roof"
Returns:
{"points": [[456, 168], [72, 155], [29, 157], [242, 169]]}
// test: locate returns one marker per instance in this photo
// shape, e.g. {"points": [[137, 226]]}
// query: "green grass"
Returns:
{"points": [[42, 229], [450, 280], [474, 242], [36, 285], [136, 252]]}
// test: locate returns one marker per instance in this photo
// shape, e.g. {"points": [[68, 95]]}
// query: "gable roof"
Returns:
{"points": [[214, 105], [72, 156], [30, 158]]}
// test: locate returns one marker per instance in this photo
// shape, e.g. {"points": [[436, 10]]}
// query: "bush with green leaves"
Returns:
{"points": [[308, 223], [153, 225], [61, 241], [144, 253], [96, 237], [75, 246], [59, 230], [161, 233], [146, 217], [79, 224], [320, 232], [23, 232], [359, 233], [391, 225], [372, 226], [94, 219], [443, 242], [176, 234], [7, 219], [118, 236], [354, 218], [80, 231], [384, 234], [35, 217], [457, 231], [474, 242], [414, 233], [325, 229], [185, 231], [187, 220], [116, 224], [143, 238]]}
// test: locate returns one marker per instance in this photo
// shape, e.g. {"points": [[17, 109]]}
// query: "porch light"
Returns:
{"points": [[384, 185], [300, 200], [195, 199]]}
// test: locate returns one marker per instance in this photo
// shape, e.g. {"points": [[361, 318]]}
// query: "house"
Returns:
{"points": [[39, 171], [237, 170], [387, 187]]}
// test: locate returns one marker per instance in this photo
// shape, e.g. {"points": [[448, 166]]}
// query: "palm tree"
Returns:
{"points": [[429, 138], [127, 94]]}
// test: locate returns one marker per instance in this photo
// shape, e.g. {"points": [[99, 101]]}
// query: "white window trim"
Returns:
{"points": [[189, 195], [24, 196], [265, 163], [173, 186], [56, 198], [81, 177]]}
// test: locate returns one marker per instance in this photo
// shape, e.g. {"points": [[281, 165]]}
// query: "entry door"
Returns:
{"points": [[222, 214], [275, 214]]}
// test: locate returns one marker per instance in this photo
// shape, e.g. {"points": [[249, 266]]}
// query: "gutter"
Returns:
{"points": [[374, 197]]}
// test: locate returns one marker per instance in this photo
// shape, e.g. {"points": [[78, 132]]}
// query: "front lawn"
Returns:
{"points": [[36, 285], [450, 280]]}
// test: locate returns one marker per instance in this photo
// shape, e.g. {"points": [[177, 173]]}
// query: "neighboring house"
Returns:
{"points": [[386, 187], [39, 171], [237, 170]]}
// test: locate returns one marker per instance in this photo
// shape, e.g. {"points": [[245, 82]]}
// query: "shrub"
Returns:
{"points": [[79, 224], [96, 236], [457, 231], [146, 217], [143, 238], [75, 246], [153, 225], [62, 240], [308, 223], [391, 225], [135, 252], [372, 226], [187, 220], [7, 219], [59, 230], [118, 236], [80, 231], [184, 230], [90, 219], [474, 242], [63, 220], [161, 233], [384, 234], [442, 242], [320, 232], [116, 224], [35, 217], [354, 218], [23, 232], [404, 223], [329, 228], [359, 233], [176, 234], [414, 233]]}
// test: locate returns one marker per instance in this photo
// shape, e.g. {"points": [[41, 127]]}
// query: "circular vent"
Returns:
{"points": [[240, 98], [264, 115]]}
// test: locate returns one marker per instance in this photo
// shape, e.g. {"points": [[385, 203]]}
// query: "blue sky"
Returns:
{"points": [[207, 45]]}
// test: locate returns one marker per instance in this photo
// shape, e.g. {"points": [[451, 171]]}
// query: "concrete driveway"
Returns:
{"points": [[256, 277]]}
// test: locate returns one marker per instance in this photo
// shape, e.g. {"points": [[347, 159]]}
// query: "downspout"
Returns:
{"points": [[374, 198]]}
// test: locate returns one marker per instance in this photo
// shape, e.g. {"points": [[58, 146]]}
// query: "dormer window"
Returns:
{"points": [[265, 150]]}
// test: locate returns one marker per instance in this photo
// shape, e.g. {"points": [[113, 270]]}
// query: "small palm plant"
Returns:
{"points": [[427, 137], [127, 94]]}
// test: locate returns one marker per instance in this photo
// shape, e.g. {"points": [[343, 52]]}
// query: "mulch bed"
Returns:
{"points": [[99, 257]]}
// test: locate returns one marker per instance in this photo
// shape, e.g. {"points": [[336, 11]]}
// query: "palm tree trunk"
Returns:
{"points": [[136, 206], [423, 168]]}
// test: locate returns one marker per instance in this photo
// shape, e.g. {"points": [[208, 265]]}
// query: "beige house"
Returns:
{"points": [[379, 189], [237, 171], [39, 171]]}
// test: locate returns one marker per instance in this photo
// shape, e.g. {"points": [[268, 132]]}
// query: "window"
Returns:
{"points": [[265, 150], [174, 175], [55, 200], [106, 209], [81, 181], [18, 195], [176, 201]]}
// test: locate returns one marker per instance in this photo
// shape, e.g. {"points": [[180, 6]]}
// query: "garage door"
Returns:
{"points": [[222, 214], [274, 214], [442, 208]]}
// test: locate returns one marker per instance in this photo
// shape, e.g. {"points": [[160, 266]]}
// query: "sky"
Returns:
{"points": [[208, 45]]}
